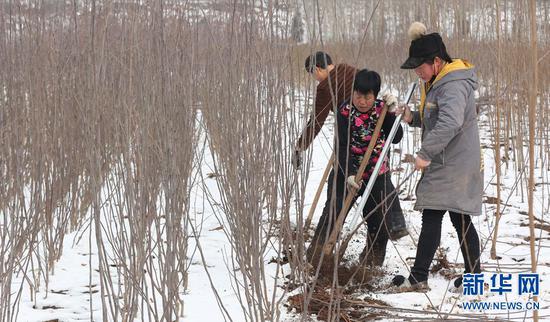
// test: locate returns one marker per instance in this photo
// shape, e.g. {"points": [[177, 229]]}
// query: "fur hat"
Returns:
{"points": [[424, 47], [417, 30]]}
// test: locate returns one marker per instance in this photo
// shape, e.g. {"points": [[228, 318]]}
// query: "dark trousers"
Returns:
{"points": [[429, 240], [377, 222]]}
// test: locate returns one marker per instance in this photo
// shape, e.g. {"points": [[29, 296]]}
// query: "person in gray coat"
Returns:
{"points": [[450, 156]]}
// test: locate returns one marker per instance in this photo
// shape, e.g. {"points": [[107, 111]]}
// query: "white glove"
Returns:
{"points": [[352, 184], [390, 100]]}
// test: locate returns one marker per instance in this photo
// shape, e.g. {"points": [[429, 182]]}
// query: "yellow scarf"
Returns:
{"points": [[457, 64]]}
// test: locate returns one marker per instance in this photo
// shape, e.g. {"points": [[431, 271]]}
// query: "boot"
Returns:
{"points": [[401, 284], [395, 220], [373, 256], [398, 234], [457, 286]]}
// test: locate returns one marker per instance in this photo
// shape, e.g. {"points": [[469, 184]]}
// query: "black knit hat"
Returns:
{"points": [[424, 47]]}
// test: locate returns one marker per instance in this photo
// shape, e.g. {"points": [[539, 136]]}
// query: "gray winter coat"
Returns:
{"points": [[450, 140]]}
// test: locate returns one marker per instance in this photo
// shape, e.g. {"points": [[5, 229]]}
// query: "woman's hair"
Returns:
{"points": [[319, 59], [367, 81]]}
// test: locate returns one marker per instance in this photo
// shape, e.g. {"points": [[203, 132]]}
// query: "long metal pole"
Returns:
{"points": [[380, 161]]}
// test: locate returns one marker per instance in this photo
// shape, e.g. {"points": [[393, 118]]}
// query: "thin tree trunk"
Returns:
{"points": [[532, 123], [497, 133]]}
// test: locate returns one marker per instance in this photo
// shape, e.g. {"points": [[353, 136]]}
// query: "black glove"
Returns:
{"points": [[297, 160]]}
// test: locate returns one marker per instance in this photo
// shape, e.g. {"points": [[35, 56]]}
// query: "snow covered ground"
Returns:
{"points": [[75, 280]]}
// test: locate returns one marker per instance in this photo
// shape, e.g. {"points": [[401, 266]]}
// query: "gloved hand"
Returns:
{"points": [[297, 160], [406, 111], [352, 184], [390, 100]]}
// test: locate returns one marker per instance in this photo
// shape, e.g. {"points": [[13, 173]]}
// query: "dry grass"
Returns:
{"points": [[104, 104]]}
